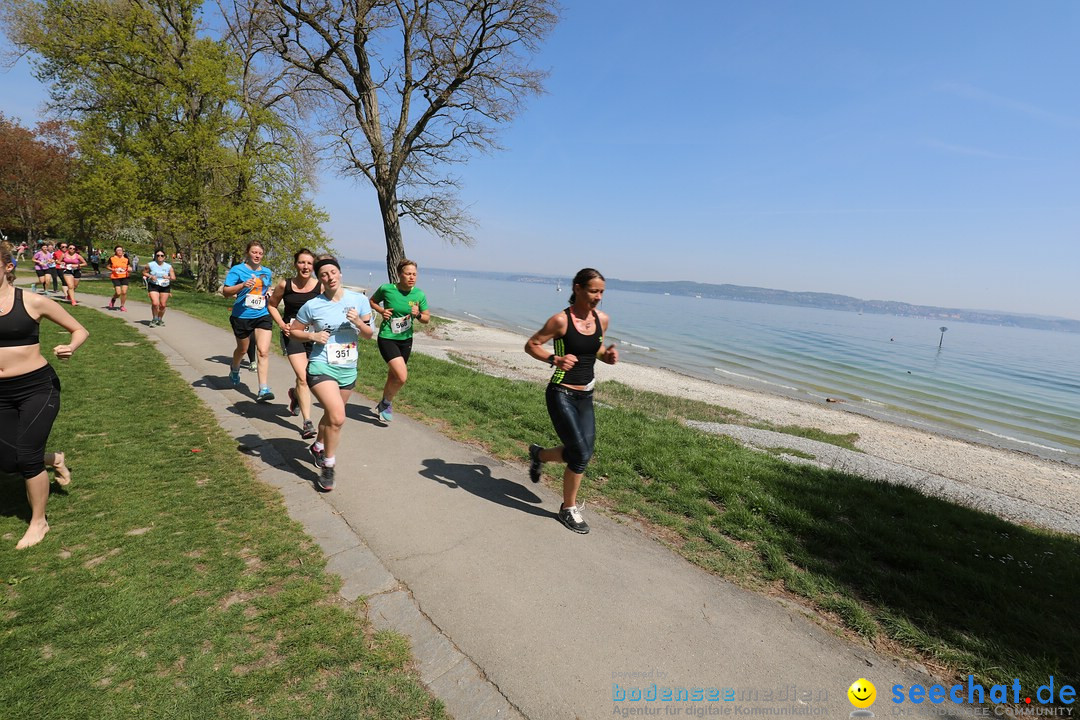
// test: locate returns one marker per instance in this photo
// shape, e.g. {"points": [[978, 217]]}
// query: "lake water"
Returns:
{"points": [[1004, 386]]}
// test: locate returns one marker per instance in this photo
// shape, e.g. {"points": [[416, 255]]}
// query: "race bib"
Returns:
{"points": [[72, 267], [342, 353], [121, 272], [255, 302], [162, 282], [401, 324]]}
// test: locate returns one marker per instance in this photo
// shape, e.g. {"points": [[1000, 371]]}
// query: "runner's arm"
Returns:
{"points": [[272, 303], [49, 308], [553, 328]]}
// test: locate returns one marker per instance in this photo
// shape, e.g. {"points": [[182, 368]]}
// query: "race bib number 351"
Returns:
{"points": [[342, 353]]}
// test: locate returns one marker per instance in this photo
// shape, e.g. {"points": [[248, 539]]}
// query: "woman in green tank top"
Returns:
{"points": [[400, 305]]}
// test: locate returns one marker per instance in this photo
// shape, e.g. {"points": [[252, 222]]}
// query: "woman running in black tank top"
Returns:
{"points": [[578, 335], [30, 392], [295, 292]]}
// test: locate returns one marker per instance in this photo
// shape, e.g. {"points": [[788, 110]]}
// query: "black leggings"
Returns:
{"points": [[28, 406], [571, 412]]}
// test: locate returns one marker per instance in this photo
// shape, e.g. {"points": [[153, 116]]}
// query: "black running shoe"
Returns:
{"points": [[571, 518], [317, 455], [294, 404], [535, 464], [325, 481], [308, 431]]}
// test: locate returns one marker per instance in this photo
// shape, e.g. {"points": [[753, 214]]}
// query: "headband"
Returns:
{"points": [[326, 261]]}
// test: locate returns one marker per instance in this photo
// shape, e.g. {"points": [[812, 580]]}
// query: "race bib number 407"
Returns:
{"points": [[255, 302]]}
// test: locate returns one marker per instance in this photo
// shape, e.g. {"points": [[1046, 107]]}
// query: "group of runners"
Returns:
{"points": [[62, 263], [321, 323]]}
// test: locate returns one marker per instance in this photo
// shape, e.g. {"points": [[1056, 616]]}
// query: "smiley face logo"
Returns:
{"points": [[862, 693]]}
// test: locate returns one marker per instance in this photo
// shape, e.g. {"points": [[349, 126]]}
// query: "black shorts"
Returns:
{"points": [[243, 327], [295, 347], [390, 349], [117, 282], [76, 273], [28, 406], [151, 287]]}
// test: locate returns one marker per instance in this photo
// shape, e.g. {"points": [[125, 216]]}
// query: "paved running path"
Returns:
{"points": [[548, 621]]}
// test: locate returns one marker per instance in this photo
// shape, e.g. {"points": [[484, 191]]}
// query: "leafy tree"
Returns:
{"points": [[35, 167], [406, 87], [167, 137]]}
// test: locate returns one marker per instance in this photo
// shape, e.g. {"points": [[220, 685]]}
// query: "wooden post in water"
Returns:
{"points": [[942, 339]]}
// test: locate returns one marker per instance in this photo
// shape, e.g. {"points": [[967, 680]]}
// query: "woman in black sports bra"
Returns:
{"points": [[30, 392], [578, 335], [294, 293]]}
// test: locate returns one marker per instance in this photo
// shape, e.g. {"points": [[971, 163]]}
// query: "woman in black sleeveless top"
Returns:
{"points": [[578, 335], [295, 292], [30, 392]]}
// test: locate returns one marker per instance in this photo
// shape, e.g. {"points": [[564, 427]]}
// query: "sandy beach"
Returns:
{"points": [[1019, 487]]}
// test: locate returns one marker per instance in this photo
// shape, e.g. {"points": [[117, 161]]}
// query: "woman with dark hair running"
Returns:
{"points": [[159, 276], [42, 258], [578, 332], [249, 282], [58, 266], [72, 263], [400, 305], [333, 321], [119, 268], [30, 392], [295, 292]]}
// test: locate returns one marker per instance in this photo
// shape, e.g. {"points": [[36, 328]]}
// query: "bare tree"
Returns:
{"points": [[406, 87]]}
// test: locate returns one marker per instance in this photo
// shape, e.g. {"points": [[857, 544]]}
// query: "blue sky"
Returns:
{"points": [[920, 151]]}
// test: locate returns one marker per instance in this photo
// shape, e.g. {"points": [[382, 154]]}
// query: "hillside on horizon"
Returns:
{"points": [[746, 293]]}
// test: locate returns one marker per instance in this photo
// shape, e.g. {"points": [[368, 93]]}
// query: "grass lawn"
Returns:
{"points": [[172, 583]]}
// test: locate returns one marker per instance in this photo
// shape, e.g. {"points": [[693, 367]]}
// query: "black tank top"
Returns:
{"points": [[17, 328], [584, 347], [295, 300]]}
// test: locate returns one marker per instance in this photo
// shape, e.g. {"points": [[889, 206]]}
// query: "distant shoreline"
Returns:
{"points": [[824, 301]]}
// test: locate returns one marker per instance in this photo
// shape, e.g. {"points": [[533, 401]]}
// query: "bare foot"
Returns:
{"points": [[34, 534], [63, 474]]}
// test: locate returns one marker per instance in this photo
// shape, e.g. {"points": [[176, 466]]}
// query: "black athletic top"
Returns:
{"points": [[17, 328], [295, 300], [584, 347]]}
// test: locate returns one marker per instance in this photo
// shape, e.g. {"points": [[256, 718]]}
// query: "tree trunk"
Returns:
{"points": [[395, 246], [204, 261]]}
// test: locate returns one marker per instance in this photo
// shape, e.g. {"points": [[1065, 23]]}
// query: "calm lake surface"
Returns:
{"points": [[1010, 387]]}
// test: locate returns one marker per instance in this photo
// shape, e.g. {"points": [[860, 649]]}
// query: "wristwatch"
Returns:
{"points": [[551, 360]]}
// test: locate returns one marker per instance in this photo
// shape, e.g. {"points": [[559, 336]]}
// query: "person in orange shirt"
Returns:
{"points": [[119, 271]]}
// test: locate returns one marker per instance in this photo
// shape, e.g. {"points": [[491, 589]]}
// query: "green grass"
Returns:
{"points": [[172, 584], [957, 588]]}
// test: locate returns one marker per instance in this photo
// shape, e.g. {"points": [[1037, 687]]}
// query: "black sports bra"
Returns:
{"points": [[17, 328]]}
